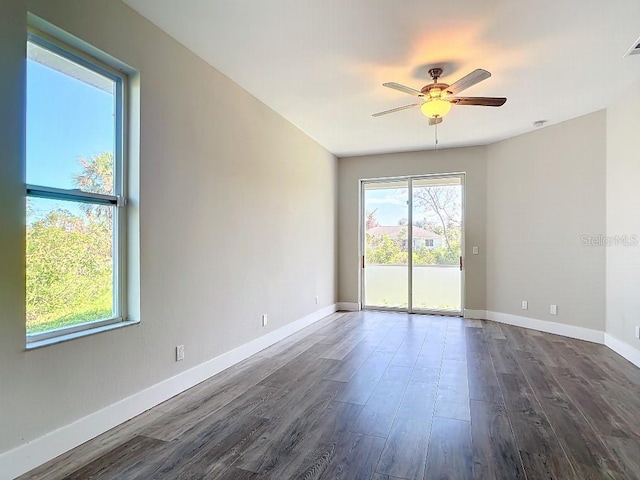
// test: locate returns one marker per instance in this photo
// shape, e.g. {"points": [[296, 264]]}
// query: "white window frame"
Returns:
{"points": [[118, 200]]}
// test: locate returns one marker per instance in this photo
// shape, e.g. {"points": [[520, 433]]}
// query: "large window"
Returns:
{"points": [[75, 174]]}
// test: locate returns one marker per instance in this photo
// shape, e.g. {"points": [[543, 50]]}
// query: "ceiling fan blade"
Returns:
{"points": [[397, 109], [468, 81], [403, 89], [434, 121], [483, 101]]}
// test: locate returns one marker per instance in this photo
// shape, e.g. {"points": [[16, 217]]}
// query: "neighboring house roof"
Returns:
{"points": [[394, 230]]}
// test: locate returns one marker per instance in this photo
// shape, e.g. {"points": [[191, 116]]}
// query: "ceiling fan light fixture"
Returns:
{"points": [[435, 108]]}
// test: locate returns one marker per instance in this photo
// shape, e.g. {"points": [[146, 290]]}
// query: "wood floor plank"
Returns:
{"points": [[626, 451], [452, 401], [343, 370], [205, 456], [594, 406], [410, 349], [502, 356], [313, 453], [378, 476], [587, 454], [618, 368], [568, 356], [454, 349], [482, 379], [341, 349], [72, 460], [492, 330], [624, 401], [475, 341], [360, 386], [404, 453], [216, 435], [378, 413], [449, 455], [300, 367], [430, 375], [113, 463], [495, 452], [354, 457], [431, 354], [473, 323], [229, 473], [172, 425], [289, 429], [541, 452], [393, 340], [453, 372]]}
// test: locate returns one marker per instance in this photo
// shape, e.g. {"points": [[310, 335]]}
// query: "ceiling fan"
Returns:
{"points": [[437, 98]]}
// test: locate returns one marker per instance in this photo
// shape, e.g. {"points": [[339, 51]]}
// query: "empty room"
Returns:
{"points": [[305, 239]]}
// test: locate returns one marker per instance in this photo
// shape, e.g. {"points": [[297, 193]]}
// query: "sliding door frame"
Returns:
{"points": [[362, 242]]}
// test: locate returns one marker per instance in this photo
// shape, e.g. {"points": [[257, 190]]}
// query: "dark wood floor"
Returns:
{"points": [[375, 395]]}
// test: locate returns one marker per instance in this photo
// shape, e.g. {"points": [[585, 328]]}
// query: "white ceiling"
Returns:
{"points": [[321, 63]]}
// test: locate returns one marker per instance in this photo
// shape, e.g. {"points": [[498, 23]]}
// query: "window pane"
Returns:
{"points": [[70, 124], [69, 263]]}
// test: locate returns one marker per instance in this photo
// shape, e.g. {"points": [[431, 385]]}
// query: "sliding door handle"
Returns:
{"points": [[460, 263]]}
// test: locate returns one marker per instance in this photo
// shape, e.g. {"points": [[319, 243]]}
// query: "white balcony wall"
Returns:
{"points": [[436, 287]]}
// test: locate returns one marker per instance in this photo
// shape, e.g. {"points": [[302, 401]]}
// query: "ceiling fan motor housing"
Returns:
{"points": [[427, 88]]}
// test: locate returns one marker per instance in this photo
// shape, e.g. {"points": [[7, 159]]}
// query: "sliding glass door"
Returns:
{"points": [[386, 237], [437, 241], [412, 243]]}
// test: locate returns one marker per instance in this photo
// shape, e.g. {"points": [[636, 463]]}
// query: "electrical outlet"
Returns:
{"points": [[638, 333], [179, 353], [525, 305], [553, 310], [317, 299], [264, 320]]}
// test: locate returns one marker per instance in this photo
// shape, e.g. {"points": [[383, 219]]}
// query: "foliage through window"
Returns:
{"points": [[75, 186], [437, 209]]}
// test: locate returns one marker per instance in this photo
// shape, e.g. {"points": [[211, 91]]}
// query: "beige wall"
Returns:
{"points": [[237, 218], [546, 190], [623, 205], [352, 169]]}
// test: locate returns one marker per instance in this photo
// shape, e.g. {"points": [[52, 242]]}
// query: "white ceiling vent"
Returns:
{"points": [[635, 49]]}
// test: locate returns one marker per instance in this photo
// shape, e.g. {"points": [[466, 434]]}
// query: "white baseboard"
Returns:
{"points": [[348, 306], [623, 349], [475, 314], [571, 331], [36, 452]]}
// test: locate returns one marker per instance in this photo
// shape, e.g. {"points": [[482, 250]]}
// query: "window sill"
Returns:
{"points": [[80, 334]]}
